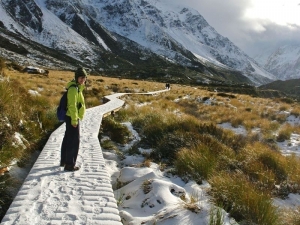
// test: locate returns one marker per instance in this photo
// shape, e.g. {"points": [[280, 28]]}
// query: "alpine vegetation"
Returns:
{"points": [[239, 152]]}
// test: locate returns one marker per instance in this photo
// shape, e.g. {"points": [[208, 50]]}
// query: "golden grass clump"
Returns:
{"points": [[293, 168], [198, 163], [263, 165], [296, 111], [191, 202], [285, 132], [242, 200]]}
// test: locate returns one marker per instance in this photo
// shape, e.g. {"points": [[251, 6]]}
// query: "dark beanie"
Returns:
{"points": [[80, 72]]}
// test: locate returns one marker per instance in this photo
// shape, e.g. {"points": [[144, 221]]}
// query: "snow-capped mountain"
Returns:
{"points": [[106, 34], [283, 61]]}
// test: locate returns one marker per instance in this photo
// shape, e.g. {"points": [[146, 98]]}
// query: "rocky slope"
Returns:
{"points": [[126, 34]]}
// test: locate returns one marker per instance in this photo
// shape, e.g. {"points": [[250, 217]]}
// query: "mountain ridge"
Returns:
{"points": [[283, 61], [93, 32]]}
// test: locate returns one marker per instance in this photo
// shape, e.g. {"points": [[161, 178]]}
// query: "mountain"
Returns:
{"points": [[282, 61], [127, 37]]}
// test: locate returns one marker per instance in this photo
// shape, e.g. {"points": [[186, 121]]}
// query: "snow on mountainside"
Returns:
{"points": [[160, 24], [283, 62], [39, 24], [87, 30]]}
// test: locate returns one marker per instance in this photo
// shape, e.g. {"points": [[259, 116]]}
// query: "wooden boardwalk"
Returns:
{"points": [[81, 197]]}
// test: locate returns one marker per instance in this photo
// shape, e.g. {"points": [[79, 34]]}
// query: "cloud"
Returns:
{"points": [[272, 36], [230, 19]]}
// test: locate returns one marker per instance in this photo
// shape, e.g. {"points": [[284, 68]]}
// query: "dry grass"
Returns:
{"points": [[147, 162], [242, 200], [216, 216], [296, 110], [285, 132], [183, 132], [290, 216], [192, 202], [53, 85]]}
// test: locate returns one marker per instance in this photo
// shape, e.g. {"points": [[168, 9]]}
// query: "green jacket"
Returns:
{"points": [[76, 105]]}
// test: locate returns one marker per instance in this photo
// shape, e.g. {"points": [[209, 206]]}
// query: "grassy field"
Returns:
{"points": [[181, 126]]}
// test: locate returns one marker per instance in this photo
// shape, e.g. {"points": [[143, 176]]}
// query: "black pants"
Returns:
{"points": [[70, 144]]}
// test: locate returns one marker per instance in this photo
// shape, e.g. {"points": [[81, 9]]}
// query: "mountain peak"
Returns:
{"points": [[89, 31]]}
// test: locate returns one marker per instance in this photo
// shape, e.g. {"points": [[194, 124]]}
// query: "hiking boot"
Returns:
{"points": [[71, 168]]}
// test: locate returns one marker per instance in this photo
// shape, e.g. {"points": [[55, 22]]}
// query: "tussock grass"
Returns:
{"points": [[216, 216], [291, 216], [242, 200], [116, 131], [191, 202], [295, 111], [292, 165], [22, 114], [182, 131], [198, 162], [267, 168], [108, 144], [120, 197], [285, 132]]}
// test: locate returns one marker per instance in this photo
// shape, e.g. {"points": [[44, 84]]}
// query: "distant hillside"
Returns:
{"points": [[290, 87]]}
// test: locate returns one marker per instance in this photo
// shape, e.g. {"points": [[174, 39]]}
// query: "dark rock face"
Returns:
{"points": [[2, 24], [7, 44], [25, 12]]}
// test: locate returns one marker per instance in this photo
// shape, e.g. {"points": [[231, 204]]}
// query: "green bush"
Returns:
{"points": [[170, 143], [115, 130]]}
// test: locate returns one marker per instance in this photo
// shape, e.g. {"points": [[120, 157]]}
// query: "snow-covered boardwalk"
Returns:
{"points": [[50, 195]]}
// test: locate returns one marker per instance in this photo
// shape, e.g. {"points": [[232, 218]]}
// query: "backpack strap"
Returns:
{"points": [[74, 85]]}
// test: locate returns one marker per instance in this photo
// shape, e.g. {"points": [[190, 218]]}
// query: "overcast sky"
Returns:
{"points": [[253, 25]]}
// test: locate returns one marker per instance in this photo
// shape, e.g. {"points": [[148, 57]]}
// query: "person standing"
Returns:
{"points": [[75, 112]]}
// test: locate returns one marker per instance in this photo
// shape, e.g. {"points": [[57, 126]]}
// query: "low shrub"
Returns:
{"points": [[115, 130], [287, 100]]}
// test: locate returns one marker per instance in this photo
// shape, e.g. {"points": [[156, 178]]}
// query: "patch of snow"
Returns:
{"points": [[237, 130], [34, 93]]}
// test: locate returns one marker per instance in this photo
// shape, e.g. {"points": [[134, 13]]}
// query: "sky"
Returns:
{"points": [[253, 25]]}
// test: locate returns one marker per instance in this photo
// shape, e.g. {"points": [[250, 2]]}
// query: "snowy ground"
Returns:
{"points": [[51, 196], [152, 196], [161, 203]]}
